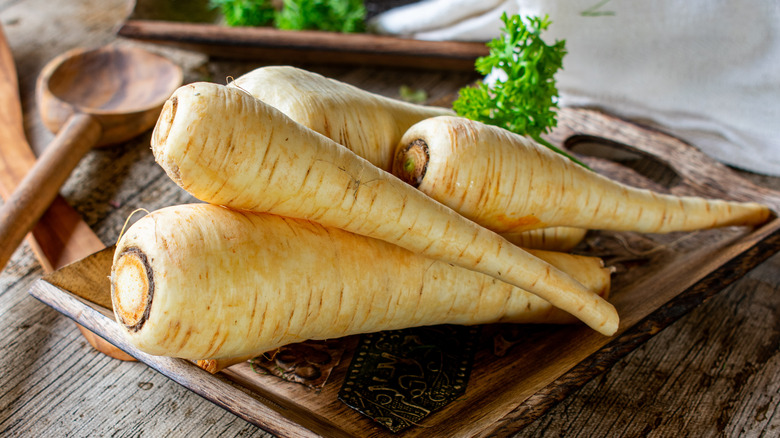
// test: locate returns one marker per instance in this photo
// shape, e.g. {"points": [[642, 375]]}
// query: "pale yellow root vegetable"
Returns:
{"points": [[201, 281], [552, 239], [225, 147], [589, 271], [509, 184], [366, 123]]}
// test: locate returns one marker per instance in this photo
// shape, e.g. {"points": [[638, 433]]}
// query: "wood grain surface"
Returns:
{"points": [[61, 236], [714, 372], [89, 98], [58, 235], [273, 46]]}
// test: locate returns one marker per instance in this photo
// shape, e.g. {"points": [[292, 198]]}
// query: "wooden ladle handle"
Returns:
{"points": [[42, 183]]}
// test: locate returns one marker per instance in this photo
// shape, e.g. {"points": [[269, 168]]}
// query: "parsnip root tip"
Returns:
{"points": [[209, 365], [132, 289], [411, 162], [609, 327]]}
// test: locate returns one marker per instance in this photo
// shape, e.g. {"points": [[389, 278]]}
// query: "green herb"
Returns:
{"points": [[246, 12], [328, 15], [412, 95], [525, 100], [595, 10]]}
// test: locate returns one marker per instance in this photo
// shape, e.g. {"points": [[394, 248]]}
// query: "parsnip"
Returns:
{"points": [[305, 97], [509, 184], [200, 281], [366, 123], [225, 147]]}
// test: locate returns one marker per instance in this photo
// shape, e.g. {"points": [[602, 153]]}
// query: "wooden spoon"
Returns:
{"points": [[60, 237], [96, 97]]}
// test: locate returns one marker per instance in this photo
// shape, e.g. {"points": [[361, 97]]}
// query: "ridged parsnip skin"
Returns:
{"points": [[551, 239], [333, 109], [227, 148], [508, 183], [228, 283], [366, 123]]}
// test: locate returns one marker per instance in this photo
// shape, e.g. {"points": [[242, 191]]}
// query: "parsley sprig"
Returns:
{"points": [[246, 12], [524, 97], [327, 15], [347, 16]]}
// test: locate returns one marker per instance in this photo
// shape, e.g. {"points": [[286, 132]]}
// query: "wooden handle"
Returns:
{"points": [[42, 184], [700, 174], [61, 236]]}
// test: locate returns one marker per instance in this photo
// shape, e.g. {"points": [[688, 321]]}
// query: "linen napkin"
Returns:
{"points": [[706, 71]]}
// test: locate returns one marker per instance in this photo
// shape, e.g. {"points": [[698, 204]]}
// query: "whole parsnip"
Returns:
{"points": [[200, 281], [509, 184]]}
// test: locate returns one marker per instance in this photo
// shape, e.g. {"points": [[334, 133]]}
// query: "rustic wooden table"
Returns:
{"points": [[715, 372]]}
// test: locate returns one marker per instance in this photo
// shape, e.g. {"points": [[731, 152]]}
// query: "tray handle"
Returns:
{"points": [[699, 174]]}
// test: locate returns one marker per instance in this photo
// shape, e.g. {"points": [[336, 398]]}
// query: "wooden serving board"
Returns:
{"points": [[153, 22], [657, 279]]}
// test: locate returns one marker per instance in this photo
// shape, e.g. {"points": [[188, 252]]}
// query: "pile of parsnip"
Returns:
{"points": [[305, 232]]}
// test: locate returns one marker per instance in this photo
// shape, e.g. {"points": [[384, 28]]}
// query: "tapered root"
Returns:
{"points": [[509, 184]]}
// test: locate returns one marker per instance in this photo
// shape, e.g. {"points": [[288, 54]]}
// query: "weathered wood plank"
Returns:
{"points": [[273, 414], [712, 373], [313, 47]]}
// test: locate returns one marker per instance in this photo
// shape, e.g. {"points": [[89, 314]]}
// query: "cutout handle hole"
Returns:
{"points": [[632, 162]]}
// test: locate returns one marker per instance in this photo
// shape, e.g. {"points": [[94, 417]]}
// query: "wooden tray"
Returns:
{"points": [[658, 279], [150, 23]]}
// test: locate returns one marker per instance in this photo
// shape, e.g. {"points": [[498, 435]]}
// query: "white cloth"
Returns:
{"points": [[707, 71]]}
